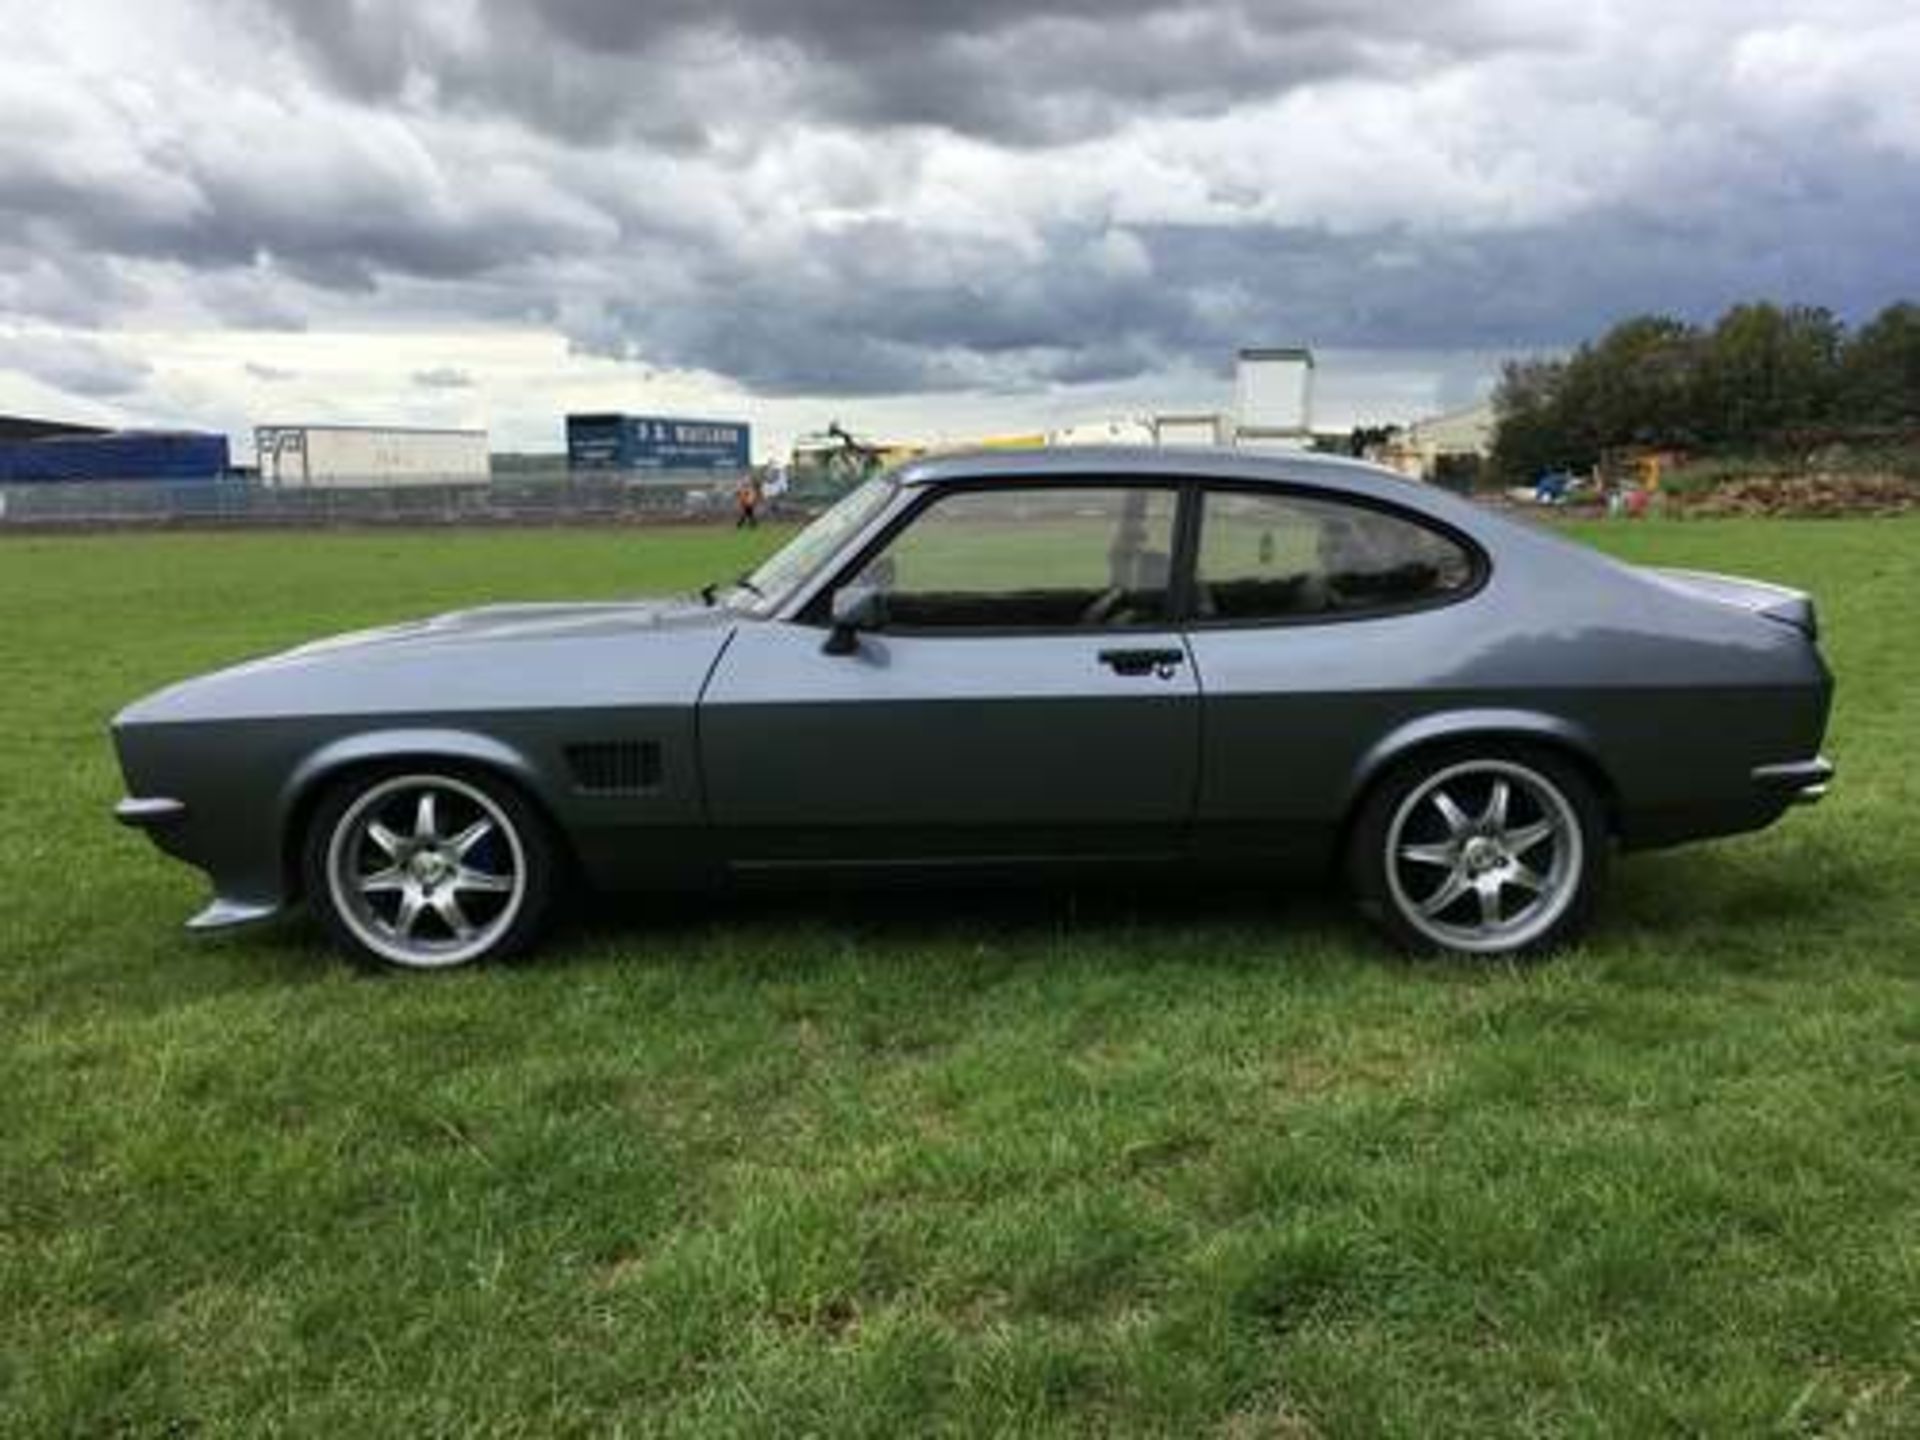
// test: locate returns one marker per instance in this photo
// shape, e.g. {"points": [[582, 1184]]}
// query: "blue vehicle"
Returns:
{"points": [[1554, 487]]}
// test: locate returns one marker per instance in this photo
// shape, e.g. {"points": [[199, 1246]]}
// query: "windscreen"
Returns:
{"points": [[819, 542]]}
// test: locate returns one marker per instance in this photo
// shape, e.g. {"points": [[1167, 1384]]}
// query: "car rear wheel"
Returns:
{"points": [[428, 869], [1480, 852]]}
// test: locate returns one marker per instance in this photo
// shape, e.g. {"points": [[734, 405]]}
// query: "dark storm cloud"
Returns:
{"points": [[1014, 71], [53, 283], [1543, 286], [339, 223], [77, 366], [865, 197], [883, 309], [1062, 322]]}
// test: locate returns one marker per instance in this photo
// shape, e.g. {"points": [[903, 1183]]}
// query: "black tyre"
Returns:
{"points": [[1480, 850], [429, 867]]}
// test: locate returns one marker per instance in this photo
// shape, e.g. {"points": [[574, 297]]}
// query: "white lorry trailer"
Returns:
{"points": [[337, 457]]}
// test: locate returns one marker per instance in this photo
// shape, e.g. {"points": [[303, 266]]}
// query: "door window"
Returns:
{"points": [[1278, 557], [1094, 557]]}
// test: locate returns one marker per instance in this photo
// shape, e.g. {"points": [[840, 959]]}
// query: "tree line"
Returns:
{"points": [[1756, 376]]}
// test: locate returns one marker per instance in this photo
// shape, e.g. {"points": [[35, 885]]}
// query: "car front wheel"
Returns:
{"points": [[426, 869], [1480, 852]]}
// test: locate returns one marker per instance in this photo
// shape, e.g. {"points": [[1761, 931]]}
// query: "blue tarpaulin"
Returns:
{"points": [[116, 455]]}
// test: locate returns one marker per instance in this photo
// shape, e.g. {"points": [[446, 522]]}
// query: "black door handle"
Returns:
{"points": [[1158, 661]]}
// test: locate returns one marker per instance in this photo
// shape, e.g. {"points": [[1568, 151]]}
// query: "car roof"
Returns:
{"points": [[1175, 462]]}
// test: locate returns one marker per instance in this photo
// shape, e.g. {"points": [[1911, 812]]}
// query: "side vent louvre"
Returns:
{"points": [[615, 767]]}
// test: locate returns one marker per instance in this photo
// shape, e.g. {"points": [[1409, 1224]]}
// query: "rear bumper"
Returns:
{"points": [[1771, 791], [1800, 782], [149, 812]]}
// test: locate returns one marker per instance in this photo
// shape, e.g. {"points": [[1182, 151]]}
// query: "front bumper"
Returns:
{"points": [[160, 817], [223, 914], [1800, 782]]}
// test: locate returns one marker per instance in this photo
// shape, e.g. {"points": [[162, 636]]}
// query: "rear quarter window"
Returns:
{"points": [[1280, 556]]}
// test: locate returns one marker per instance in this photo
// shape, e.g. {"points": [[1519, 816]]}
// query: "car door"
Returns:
{"points": [[1028, 696], [1318, 624]]}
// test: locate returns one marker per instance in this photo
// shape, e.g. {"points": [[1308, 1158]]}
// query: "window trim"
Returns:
{"points": [[1190, 493], [1477, 558], [817, 611]]}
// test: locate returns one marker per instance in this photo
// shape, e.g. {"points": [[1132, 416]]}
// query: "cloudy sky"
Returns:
{"points": [[922, 217]]}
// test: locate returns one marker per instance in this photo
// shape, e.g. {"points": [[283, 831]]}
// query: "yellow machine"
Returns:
{"points": [[834, 460], [999, 442]]}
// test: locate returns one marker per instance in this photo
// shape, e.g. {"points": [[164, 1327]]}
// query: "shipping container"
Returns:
{"points": [[657, 442], [294, 457], [115, 455]]}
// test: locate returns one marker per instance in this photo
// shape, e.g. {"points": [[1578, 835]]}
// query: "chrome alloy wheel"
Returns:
{"points": [[427, 871], [1484, 856]]}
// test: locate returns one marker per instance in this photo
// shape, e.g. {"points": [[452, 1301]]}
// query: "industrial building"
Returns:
{"points": [[657, 442], [1458, 432], [28, 427], [1209, 428], [1103, 432], [1449, 448], [338, 457], [1273, 410], [45, 451]]}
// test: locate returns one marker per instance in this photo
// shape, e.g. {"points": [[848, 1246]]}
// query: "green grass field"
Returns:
{"points": [[1046, 1163]]}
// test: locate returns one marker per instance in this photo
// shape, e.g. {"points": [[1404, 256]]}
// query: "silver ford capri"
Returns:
{"points": [[1015, 661]]}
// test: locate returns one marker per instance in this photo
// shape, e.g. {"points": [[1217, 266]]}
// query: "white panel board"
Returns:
{"points": [[1273, 392]]}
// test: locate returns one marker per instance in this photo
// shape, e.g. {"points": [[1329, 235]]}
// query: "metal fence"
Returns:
{"points": [[557, 498]]}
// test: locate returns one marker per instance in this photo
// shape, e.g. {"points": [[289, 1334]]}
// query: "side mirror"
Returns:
{"points": [[855, 608]]}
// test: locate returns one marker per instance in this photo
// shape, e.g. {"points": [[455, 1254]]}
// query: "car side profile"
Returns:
{"points": [[1016, 658]]}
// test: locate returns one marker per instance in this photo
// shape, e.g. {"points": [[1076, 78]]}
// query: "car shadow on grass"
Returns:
{"points": [[1728, 899], [1099, 908], [1732, 898], [1208, 921]]}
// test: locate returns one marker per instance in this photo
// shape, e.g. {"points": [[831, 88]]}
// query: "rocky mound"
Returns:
{"points": [[1817, 494]]}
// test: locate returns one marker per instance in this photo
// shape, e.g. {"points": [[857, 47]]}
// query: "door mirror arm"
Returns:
{"points": [[855, 608]]}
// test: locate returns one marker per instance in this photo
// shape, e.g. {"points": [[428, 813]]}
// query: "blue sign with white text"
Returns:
{"points": [[657, 442]]}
